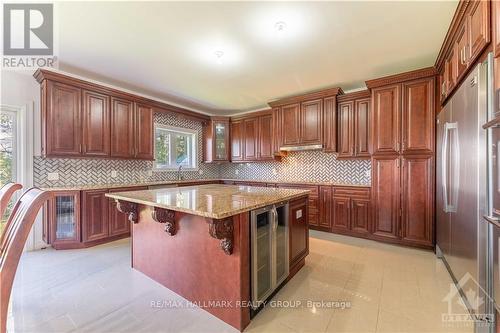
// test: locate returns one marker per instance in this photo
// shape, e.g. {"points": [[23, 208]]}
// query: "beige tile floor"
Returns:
{"points": [[388, 288]]}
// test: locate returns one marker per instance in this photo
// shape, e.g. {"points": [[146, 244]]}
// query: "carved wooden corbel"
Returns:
{"points": [[166, 216], [128, 208], [223, 230]]}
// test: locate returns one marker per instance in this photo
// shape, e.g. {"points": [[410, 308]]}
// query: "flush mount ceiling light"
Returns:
{"points": [[280, 26], [218, 56]]}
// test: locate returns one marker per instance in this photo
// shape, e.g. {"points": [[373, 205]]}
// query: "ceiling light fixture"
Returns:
{"points": [[219, 54], [280, 26]]}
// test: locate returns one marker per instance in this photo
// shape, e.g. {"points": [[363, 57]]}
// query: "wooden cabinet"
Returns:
{"points": [[94, 215], [237, 135], [252, 138], [299, 231], [386, 196], [351, 211], [311, 124], [340, 213], [61, 119], [325, 207], [386, 119], [354, 125], [479, 27], [462, 50], [290, 123], [96, 126], [417, 203], [122, 128], [330, 124], [276, 131], [418, 116], [360, 215], [216, 140], [495, 7], [144, 132], [313, 203], [118, 222], [61, 220]]}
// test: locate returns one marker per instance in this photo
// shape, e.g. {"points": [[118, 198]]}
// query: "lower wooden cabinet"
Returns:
{"points": [[313, 201], [94, 215], [360, 216], [351, 211], [340, 214], [299, 231], [61, 220]]}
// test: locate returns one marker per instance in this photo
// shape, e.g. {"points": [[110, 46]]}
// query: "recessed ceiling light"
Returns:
{"points": [[218, 55], [280, 26]]}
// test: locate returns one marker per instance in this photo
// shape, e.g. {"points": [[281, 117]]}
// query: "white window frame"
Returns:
{"points": [[193, 148]]}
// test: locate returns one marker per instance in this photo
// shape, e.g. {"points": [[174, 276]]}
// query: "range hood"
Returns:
{"points": [[301, 148]]}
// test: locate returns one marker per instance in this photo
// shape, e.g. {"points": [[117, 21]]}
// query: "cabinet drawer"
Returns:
{"points": [[352, 192]]}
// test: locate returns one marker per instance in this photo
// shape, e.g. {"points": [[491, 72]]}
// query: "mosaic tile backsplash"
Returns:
{"points": [[307, 166]]}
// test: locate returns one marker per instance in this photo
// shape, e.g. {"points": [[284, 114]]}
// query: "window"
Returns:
{"points": [[175, 147], [8, 156]]}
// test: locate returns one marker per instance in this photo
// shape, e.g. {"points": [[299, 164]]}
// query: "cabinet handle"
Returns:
{"points": [[80, 148]]}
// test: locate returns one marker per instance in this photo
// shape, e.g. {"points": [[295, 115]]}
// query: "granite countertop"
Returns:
{"points": [[212, 201], [187, 182]]}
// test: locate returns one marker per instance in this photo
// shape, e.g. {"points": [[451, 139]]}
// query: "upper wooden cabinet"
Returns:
{"points": [[216, 140], [354, 125], [252, 137], [61, 120], [496, 27], [386, 119], [85, 119], [96, 125], [307, 121], [467, 38]]}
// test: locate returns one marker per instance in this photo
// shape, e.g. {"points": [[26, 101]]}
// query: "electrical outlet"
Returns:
{"points": [[53, 176], [236, 172], [114, 174], [275, 172], [200, 172], [150, 173], [368, 173]]}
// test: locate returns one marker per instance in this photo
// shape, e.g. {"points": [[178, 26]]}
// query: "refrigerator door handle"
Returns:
{"points": [[456, 168], [445, 164], [444, 168]]}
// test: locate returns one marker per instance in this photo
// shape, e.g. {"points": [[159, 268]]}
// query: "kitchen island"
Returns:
{"points": [[201, 242]]}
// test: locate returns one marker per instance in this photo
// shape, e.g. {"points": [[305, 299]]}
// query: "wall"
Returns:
{"points": [[308, 166], [98, 171]]}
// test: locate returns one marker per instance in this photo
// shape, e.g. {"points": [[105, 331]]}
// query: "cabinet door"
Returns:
{"points": [[277, 133], [221, 140], [479, 27], [144, 131], [63, 120], [290, 120], [340, 220], [386, 195], [250, 138], [462, 50], [311, 128], [325, 207], [386, 119], [299, 231], [237, 134], [330, 124], [418, 201], [346, 129], [118, 221], [95, 215], [96, 128], [418, 116], [360, 215], [122, 128], [362, 128], [266, 138], [496, 27], [450, 71], [63, 217]]}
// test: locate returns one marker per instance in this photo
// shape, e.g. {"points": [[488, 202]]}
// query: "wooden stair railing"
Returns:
{"points": [[6, 193], [12, 243]]}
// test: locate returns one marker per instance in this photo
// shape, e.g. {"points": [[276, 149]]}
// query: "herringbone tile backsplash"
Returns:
{"points": [[300, 166], [307, 166]]}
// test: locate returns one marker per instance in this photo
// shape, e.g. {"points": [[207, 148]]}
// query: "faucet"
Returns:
{"points": [[179, 175]]}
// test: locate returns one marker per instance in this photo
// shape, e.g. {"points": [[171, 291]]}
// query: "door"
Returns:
{"points": [[143, 131], [95, 215], [386, 119], [325, 207], [479, 27], [418, 116], [237, 134], [266, 137], [386, 196], [262, 263], [250, 138], [282, 261], [64, 218], [221, 140], [96, 128], [360, 216], [346, 129], [462, 50], [340, 221], [290, 120], [63, 113], [122, 128], [311, 128], [418, 204], [276, 132], [299, 232], [330, 124], [362, 128]]}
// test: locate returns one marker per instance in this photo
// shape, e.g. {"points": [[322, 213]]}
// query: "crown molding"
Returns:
{"points": [[308, 96], [354, 95], [398, 78]]}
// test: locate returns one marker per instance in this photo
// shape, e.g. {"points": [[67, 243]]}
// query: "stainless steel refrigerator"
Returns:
{"points": [[462, 187]]}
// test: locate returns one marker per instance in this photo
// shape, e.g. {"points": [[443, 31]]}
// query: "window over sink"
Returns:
{"points": [[174, 147]]}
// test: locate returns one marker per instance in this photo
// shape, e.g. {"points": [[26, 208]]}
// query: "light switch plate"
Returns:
{"points": [[368, 173], [275, 172], [53, 176], [236, 172], [200, 172], [114, 174], [298, 214], [150, 173]]}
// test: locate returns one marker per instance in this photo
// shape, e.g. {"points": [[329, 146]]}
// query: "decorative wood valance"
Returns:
{"points": [[223, 230], [307, 97], [402, 77], [128, 208], [166, 216]]}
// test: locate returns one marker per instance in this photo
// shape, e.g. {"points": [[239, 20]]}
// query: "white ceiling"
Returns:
{"points": [[166, 49]]}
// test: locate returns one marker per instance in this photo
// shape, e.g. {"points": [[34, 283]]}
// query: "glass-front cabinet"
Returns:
{"points": [[216, 140], [62, 219]]}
